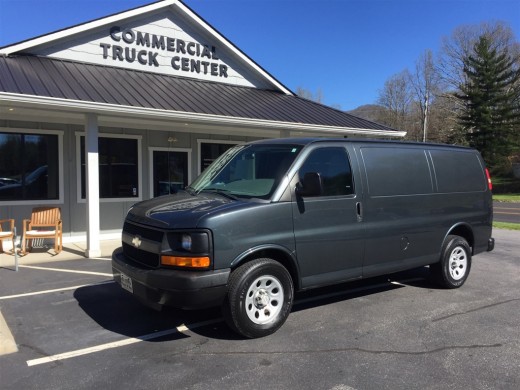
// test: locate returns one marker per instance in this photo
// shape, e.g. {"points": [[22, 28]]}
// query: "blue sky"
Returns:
{"points": [[346, 48]]}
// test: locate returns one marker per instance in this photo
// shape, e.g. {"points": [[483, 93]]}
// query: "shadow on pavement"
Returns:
{"points": [[117, 311]]}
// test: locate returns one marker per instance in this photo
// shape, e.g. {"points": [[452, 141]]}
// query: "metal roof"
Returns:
{"points": [[53, 78]]}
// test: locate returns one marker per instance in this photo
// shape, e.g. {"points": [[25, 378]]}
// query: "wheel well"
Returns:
{"points": [[279, 256], [465, 232]]}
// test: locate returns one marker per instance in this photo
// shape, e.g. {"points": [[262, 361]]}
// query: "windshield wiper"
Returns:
{"points": [[220, 191], [190, 190]]}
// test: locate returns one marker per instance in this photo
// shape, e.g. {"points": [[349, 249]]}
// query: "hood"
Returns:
{"points": [[181, 210]]}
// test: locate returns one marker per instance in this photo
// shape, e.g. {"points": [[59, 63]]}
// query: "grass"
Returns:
{"points": [[510, 198], [506, 225]]}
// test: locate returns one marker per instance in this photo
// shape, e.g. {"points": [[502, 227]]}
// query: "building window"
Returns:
{"points": [[118, 167], [29, 167], [210, 150]]}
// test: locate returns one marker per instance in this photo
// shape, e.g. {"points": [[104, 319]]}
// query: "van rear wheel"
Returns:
{"points": [[455, 264], [259, 299]]}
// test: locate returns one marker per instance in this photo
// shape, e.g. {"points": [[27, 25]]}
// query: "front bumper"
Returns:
{"points": [[176, 288]]}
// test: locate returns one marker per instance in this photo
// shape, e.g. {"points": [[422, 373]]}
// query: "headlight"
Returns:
{"points": [[187, 249], [186, 242]]}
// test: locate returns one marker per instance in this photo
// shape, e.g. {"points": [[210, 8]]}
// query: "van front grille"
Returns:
{"points": [[139, 256], [148, 251]]}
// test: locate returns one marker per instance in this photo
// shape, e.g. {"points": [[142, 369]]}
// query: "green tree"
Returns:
{"points": [[490, 115]]}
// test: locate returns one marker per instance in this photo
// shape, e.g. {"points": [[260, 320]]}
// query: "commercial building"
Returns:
{"points": [[98, 116]]}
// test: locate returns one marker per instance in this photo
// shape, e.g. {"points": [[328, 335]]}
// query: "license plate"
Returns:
{"points": [[126, 283]]}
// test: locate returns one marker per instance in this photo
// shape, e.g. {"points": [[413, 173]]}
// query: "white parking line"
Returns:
{"points": [[184, 328], [54, 290], [120, 343], [65, 270]]}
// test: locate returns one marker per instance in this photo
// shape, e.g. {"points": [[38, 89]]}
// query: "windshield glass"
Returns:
{"points": [[247, 171]]}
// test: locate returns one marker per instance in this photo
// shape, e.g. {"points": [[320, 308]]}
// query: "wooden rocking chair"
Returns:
{"points": [[45, 222], [6, 232]]}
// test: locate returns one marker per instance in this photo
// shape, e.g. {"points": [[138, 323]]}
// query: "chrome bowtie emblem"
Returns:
{"points": [[136, 241]]}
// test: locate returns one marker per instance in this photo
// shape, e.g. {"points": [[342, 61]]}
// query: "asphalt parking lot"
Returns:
{"points": [[74, 328]]}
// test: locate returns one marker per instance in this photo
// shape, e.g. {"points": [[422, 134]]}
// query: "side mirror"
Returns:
{"points": [[312, 185]]}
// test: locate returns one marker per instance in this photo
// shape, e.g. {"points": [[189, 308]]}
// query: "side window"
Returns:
{"points": [[334, 168]]}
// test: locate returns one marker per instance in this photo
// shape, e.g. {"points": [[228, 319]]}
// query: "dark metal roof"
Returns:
{"points": [[38, 76]]}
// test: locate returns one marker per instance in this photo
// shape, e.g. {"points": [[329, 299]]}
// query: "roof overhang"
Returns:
{"points": [[152, 114]]}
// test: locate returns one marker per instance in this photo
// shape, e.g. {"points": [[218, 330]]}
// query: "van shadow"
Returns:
{"points": [[117, 311]]}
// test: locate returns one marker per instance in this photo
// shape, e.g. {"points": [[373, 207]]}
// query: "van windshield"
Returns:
{"points": [[247, 171]]}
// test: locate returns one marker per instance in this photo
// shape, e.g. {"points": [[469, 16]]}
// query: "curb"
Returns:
{"points": [[7, 343]]}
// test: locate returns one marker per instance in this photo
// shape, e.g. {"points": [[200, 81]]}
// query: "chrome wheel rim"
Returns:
{"points": [[458, 263], [264, 299]]}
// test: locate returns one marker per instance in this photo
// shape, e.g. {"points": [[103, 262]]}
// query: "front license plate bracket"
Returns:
{"points": [[126, 283]]}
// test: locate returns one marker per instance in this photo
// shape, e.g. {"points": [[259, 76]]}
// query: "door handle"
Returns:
{"points": [[359, 211]]}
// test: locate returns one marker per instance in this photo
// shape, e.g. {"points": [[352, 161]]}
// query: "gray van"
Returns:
{"points": [[272, 217]]}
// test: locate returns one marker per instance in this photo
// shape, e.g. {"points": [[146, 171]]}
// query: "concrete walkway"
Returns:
{"points": [[71, 251]]}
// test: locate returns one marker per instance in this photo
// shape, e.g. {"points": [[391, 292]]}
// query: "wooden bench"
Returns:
{"points": [[6, 231], [45, 222]]}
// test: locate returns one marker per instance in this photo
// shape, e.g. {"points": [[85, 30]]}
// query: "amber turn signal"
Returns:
{"points": [[189, 262]]}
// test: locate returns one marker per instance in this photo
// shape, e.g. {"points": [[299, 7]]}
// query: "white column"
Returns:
{"points": [[92, 185]]}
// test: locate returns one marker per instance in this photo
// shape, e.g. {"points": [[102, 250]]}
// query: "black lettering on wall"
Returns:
{"points": [[195, 65], [214, 53], [170, 44], [158, 42], [129, 54], [175, 63], [223, 71], [117, 53], [105, 47], [142, 39], [113, 31], [152, 58], [214, 69], [128, 36], [141, 57], [181, 46], [205, 52]]}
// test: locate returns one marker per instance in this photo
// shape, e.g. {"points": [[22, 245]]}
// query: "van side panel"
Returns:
{"points": [[402, 228]]}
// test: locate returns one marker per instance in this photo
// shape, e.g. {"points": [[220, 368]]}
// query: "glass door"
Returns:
{"points": [[170, 171]]}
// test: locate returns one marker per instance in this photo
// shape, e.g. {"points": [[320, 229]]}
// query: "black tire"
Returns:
{"points": [[455, 263], [259, 299]]}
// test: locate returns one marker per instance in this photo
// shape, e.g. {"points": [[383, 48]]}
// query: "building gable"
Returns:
{"points": [[165, 38]]}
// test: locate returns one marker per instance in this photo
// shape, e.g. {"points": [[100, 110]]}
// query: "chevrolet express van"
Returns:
{"points": [[272, 217]]}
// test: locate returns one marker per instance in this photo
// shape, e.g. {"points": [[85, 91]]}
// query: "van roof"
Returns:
{"points": [[307, 141]]}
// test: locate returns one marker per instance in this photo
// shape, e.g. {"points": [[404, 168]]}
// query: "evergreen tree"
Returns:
{"points": [[490, 116]]}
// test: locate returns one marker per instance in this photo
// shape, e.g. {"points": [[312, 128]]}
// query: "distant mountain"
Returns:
{"points": [[371, 112]]}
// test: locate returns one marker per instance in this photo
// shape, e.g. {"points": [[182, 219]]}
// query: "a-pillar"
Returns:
{"points": [[92, 185]]}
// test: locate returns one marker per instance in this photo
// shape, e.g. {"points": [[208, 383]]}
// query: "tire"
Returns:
{"points": [[455, 264], [259, 299]]}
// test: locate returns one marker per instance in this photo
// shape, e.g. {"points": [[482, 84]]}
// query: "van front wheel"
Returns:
{"points": [[259, 299], [453, 269]]}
